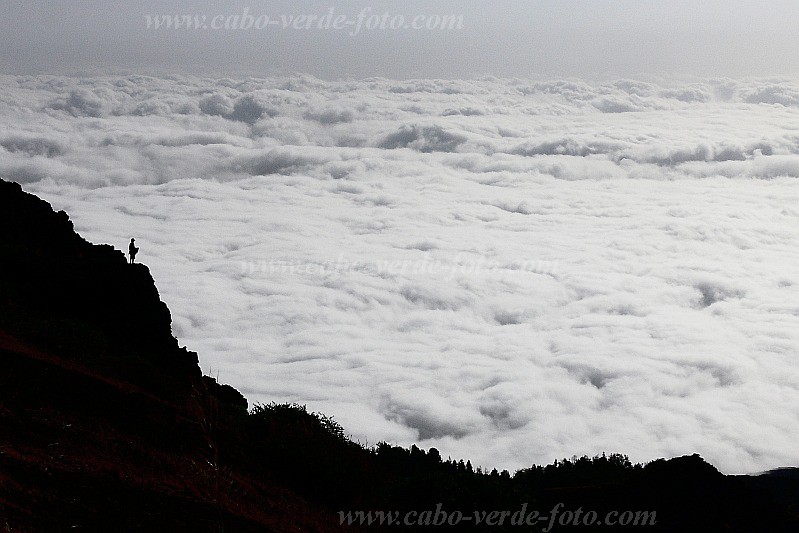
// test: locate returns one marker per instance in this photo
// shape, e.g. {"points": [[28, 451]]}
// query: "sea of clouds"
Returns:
{"points": [[511, 271]]}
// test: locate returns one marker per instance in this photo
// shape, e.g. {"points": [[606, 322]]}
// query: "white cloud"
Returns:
{"points": [[511, 271]]}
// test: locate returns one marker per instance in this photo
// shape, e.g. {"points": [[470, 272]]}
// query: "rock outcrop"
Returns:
{"points": [[84, 301]]}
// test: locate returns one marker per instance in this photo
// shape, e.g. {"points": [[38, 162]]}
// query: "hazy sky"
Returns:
{"points": [[586, 38]]}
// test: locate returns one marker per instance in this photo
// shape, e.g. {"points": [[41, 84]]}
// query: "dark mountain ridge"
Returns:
{"points": [[106, 423]]}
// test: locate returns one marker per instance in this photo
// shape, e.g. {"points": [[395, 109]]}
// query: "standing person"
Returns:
{"points": [[132, 251]]}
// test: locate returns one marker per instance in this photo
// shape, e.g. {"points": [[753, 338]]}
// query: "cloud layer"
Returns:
{"points": [[509, 270]]}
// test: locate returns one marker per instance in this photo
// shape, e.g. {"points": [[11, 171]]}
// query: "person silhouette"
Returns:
{"points": [[132, 251]]}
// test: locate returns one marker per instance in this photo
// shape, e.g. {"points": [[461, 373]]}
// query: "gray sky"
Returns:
{"points": [[587, 38]]}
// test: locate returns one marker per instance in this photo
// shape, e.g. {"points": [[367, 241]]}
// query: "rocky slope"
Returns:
{"points": [[105, 422]]}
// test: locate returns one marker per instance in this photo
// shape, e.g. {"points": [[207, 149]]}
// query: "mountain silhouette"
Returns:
{"points": [[106, 424]]}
